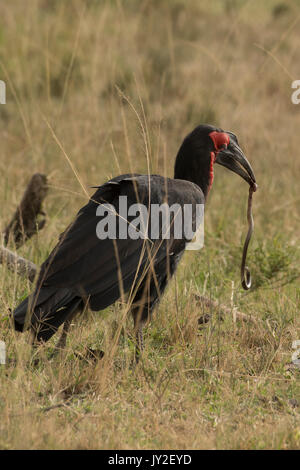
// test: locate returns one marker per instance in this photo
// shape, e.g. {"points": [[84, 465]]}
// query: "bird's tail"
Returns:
{"points": [[45, 311]]}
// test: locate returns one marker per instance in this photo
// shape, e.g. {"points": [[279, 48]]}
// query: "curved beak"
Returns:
{"points": [[233, 158]]}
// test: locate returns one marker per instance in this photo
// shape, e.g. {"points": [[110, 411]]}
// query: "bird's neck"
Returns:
{"points": [[189, 169]]}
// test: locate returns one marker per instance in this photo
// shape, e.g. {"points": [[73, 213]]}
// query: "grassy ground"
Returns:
{"points": [[68, 66]]}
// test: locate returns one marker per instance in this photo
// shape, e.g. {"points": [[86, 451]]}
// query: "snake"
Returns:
{"points": [[245, 271]]}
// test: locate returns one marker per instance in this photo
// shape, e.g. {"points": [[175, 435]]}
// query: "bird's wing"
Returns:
{"points": [[94, 268]]}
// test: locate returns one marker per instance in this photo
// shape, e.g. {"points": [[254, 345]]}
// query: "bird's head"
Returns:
{"points": [[205, 146]]}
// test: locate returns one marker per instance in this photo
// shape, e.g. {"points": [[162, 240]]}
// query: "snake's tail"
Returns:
{"points": [[245, 272], [246, 278]]}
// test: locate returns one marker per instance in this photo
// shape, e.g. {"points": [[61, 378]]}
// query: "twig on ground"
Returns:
{"points": [[18, 264], [222, 309]]}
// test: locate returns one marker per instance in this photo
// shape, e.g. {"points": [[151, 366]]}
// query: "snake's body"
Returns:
{"points": [[245, 272]]}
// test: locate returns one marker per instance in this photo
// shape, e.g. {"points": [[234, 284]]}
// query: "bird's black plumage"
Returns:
{"points": [[85, 270]]}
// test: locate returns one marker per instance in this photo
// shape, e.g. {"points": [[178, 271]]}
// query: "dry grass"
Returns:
{"points": [[225, 62]]}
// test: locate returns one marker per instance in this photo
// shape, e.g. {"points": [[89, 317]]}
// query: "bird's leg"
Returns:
{"points": [[61, 343], [139, 343], [139, 321], [35, 346]]}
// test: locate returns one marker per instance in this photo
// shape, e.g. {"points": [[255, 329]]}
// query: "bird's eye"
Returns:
{"points": [[220, 140]]}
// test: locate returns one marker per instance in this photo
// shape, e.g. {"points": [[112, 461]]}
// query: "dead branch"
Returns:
{"points": [[16, 263], [25, 223], [207, 303]]}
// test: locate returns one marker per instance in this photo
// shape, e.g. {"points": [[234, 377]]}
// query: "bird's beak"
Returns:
{"points": [[233, 158]]}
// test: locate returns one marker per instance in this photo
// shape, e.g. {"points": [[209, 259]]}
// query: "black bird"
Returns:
{"points": [[84, 270]]}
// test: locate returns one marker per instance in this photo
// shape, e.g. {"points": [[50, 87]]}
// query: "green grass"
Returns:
{"points": [[179, 63]]}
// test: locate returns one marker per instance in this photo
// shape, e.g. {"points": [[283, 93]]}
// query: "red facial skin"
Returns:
{"points": [[220, 140]]}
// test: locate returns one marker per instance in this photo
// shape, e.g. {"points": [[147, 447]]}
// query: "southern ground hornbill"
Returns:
{"points": [[85, 270]]}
